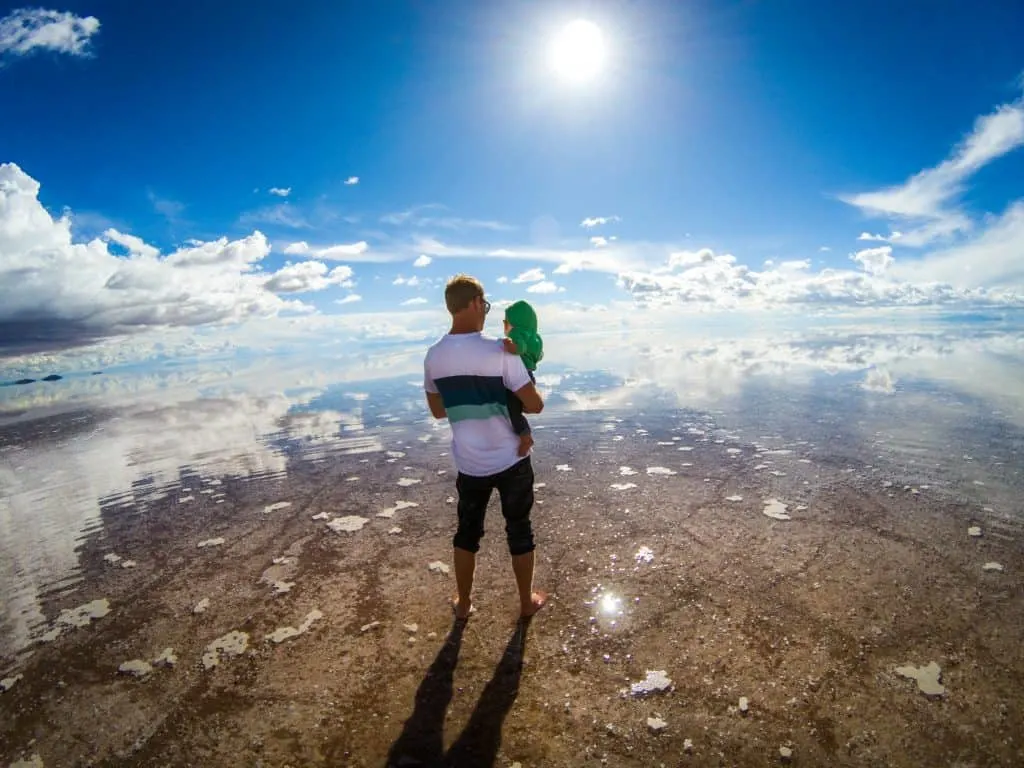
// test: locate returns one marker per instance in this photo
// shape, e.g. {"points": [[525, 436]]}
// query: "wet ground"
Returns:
{"points": [[778, 556]]}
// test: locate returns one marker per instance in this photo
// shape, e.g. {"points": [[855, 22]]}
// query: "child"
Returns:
{"points": [[522, 339]]}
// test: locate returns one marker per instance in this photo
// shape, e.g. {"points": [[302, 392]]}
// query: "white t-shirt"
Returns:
{"points": [[471, 372]]}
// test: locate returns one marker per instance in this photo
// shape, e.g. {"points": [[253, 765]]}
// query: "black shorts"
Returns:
{"points": [[515, 488]]}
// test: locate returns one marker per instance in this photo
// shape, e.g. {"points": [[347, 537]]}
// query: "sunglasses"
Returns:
{"points": [[487, 305]]}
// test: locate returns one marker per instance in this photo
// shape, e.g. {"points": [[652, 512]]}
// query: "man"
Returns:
{"points": [[465, 378]]}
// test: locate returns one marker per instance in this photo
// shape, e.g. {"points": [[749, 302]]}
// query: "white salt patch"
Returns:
{"points": [[215, 481], [438, 567], [322, 516], [219, 501], [660, 471], [405, 482], [627, 471], [166, 658], [974, 531], [804, 461], [686, 464], [287, 633], [111, 558], [136, 668], [353, 479], [733, 450], [617, 438], [656, 724], [644, 555], [761, 466], [779, 452], [399, 506], [207, 491], [622, 486], [450, 500], [927, 678], [84, 614], [655, 682], [786, 753], [992, 567], [412, 629], [662, 442], [210, 543], [186, 499], [283, 560], [776, 510], [348, 524], [686, 448], [368, 627], [538, 486], [128, 564], [737, 497], [276, 506], [227, 646], [563, 468], [777, 473], [744, 705], [201, 606], [9, 682], [395, 454], [394, 531], [687, 745], [282, 587]]}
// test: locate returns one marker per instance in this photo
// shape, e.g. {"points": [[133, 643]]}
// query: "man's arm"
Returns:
{"points": [[530, 398], [436, 405]]}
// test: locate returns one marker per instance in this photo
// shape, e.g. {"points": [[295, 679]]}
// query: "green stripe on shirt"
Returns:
{"points": [[484, 411]]}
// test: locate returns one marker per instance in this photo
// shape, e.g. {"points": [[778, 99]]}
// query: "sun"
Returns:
{"points": [[578, 52]]}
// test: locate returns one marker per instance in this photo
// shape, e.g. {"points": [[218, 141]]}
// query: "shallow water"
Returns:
{"points": [[941, 408], [659, 464]]}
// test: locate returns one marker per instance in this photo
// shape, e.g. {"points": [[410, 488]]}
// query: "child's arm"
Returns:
{"points": [[510, 346]]}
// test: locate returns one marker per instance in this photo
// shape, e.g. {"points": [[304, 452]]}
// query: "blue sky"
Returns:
{"points": [[717, 137]]}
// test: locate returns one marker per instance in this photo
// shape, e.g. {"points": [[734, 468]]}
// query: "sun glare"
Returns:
{"points": [[578, 52]]}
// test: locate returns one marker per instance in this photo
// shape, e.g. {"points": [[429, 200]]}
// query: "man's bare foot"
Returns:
{"points": [[525, 444], [537, 601], [462, 611]]}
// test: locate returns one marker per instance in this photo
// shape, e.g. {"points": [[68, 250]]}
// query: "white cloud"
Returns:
{"points": [[545, 286], [599, 242], [703, 278], [419, 300], [132, 243], [350, 299], [281, 215], [530, 276], [343, 252], [422, 260], [924, 200], [597, 221], [281, 191], [57, 293], [414, 217], [351, 181], [27, 30], [502, 280], [410, 281], [824, 249], [874, 261], [308, 276]]}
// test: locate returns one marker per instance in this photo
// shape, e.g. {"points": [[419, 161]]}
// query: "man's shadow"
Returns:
{"points": [[421, 742]]}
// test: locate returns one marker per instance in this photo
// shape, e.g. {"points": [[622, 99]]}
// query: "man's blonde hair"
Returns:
{"points": [[460, 292]]}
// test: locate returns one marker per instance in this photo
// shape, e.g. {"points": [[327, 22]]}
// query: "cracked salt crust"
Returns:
{"points": [[227, 646], [775, 509], [655, 682], [399, 506], [9, 682], [927, 678], [210, 543], [136, 668], [348, 524], [287, 633]]}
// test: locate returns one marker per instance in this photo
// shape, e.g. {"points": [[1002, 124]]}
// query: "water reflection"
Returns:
{"points": [[936, 404]]}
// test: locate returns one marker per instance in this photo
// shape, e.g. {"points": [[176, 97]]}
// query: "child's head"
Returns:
{"points": [[520, 315]]}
